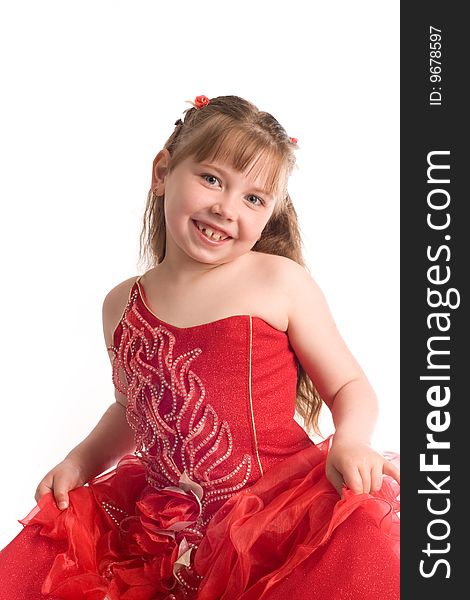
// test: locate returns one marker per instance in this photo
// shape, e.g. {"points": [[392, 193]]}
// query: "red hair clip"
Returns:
{"points": [[199, 102], [294, 140]]}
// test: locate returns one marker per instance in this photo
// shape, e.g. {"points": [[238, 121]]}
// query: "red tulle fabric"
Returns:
{"points": [[262, 535], [253, 542], [132, 562], [225, 499]]}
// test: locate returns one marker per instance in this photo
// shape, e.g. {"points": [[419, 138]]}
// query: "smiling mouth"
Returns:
{"points": [[210, 233]]}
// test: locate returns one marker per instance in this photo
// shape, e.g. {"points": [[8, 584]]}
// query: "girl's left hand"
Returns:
{"points": [[358, 466]]}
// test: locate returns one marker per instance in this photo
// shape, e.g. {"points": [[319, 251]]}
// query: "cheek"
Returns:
{"points": [[252, 228], [189, 200], [265, 217], [176, 204], [172, 214]]}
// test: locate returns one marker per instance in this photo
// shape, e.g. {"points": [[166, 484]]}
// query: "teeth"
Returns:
{"points": [[210, 233]]}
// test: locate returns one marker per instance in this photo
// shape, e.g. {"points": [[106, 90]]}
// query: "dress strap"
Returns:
{"points": [[116, 331]]}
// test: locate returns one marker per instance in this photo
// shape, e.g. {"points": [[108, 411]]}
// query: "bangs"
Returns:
{"points": [[245, 150]]}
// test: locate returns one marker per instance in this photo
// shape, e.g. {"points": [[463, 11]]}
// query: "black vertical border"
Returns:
{"points": [[425, 128]]}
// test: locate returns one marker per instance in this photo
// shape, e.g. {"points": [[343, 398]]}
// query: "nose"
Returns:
{"points": [[225, 206]]}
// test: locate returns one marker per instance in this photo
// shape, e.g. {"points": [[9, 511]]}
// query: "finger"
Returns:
{"points": [[376, 479], [364, 473], [390, 469], [42, 490], [60, 493], [353, 480], [336, 480]]}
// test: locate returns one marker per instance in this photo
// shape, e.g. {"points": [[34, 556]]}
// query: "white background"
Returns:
{"points": [[91, 90]]}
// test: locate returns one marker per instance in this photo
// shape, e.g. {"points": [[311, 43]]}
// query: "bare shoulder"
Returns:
{"points": [[286, 274], [114, 304], [300, 297], [274, 282]]}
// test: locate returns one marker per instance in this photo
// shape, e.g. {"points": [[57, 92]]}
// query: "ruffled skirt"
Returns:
{"points": [[288, 535]]}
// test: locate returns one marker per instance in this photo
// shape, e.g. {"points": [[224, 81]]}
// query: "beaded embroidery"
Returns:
{"points": [[176, 431]]}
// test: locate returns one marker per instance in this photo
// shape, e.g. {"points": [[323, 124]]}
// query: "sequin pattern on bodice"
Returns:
{"points": [[176, 431]]}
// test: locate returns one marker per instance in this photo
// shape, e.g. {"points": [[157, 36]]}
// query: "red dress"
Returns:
{"points": [[226, 496]]}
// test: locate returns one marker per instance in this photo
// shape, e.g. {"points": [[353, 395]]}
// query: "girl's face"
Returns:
{"points": [[213, 213]]}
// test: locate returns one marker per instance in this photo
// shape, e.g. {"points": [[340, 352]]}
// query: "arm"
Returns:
{"points": [[110, 439], [105, 445], [341, 383]]}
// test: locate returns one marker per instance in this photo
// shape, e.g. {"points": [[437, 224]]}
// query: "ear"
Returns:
{"points": [[160, 168]]}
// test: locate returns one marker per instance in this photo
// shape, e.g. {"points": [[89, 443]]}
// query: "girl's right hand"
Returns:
{"points": [[64, 477]]}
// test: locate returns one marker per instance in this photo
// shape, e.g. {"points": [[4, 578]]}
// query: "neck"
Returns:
{"points": [[181, 269]]}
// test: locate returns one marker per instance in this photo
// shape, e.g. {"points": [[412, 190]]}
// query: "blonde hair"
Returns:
{"points": [[232, 130]]}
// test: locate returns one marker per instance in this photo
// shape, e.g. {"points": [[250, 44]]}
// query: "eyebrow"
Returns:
{"points": [[225, 174]]}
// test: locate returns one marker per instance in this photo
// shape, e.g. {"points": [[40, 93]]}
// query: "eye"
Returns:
{"points": [[210, 178], [258, 201]]}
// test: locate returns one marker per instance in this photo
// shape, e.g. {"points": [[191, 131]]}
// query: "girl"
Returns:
{"points": [[217, 492]]}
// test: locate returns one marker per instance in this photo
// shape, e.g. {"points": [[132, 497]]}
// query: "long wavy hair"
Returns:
{"points": [[235, 131]]}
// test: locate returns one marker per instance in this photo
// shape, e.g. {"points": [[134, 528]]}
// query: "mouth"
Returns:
{"points": [[211, 234]]}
